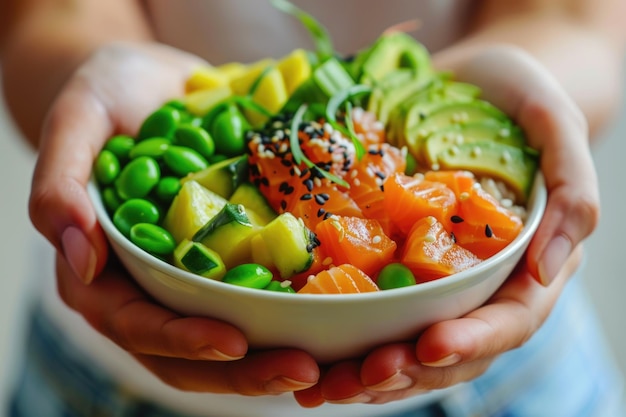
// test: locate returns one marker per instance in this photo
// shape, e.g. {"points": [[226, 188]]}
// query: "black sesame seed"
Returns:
{"points": [[306, 197], [283, 185], [320, 200], [265, 181], [325, 196], [380, 175], [283, 204], [327, 215], [321, 212], [288, 190], [308, 183], [488, 231], [453, 236], [286, 162], [457, 219]]}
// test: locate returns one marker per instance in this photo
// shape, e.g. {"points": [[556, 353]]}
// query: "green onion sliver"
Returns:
{"points": [[331, 114], [320, 35], [296, 150]]}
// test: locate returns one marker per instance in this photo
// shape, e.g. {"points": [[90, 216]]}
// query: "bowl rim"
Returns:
{"points": [[537, 202]]}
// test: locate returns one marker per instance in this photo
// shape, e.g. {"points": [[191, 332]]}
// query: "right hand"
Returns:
{"points": [[113, 92]]}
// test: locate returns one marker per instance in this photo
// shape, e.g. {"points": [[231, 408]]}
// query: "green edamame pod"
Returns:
{"points": [[395, 275], [229, 130], [161, 123], [134, 211], [106, 167], [182, 160], [120, 145], [110, 199], [153, 147], [152, 238], [249, 275], [138, 178], [196, 138]]}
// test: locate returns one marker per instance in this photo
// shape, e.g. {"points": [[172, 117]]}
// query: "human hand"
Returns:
{"points": [[459, 350], [112, 93]]}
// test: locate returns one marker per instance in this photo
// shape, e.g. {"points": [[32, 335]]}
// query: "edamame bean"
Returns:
{"points": [[280, 287], [152, 238], [133, 211], [228, 131], [161, 123], [106, 167], [167, 188], [137, 178], [249, 275], [120, 145], [153, 147], [395, 275], [182, 160], [196, 138], [110, 199]]}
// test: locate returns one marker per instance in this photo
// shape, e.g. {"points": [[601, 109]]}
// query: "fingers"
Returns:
{"points": [[59, 205], [122, 312], [259, 373]]}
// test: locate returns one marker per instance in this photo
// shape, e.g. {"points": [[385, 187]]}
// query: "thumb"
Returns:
{"points": [[59, 205]]}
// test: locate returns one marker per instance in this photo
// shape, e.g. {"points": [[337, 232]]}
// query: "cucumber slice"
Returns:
{"points": [[289, 244], [222, 177], [251, 198], [198, 259], [229, 234]]}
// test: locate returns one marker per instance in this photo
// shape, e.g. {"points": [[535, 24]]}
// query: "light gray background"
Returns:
{"points": [[606, 248]]}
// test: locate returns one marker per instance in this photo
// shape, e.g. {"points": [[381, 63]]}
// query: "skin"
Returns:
{"points": [[78, 65]]}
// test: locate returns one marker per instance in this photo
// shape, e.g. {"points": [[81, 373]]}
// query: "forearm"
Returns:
{"points": [[584, 51], [48, 40]]}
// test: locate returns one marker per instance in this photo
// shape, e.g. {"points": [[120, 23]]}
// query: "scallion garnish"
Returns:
{"points": [[321, 38], [296, 150]]}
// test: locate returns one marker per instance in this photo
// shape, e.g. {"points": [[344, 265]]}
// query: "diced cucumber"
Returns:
{"points": [[198, 259], [222, 177], [251, 198], [229, 234], [289, 244], [191, 209]]}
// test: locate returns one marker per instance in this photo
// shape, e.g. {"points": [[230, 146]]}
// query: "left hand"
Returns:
{"points": [[459, 350]]}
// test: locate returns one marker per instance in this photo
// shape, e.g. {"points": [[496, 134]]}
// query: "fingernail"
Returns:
{"points": [[213, 354], [395, 382], [553, 258], [449, 360], [79, 253], [360, 398], [284, 384]]}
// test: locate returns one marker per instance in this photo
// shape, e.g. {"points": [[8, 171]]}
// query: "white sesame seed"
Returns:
{"points": [[429, 238], [377, 239]]}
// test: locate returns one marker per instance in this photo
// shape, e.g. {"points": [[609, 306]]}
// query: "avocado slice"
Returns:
{"points": [[390, 52], [448, 114], [484, 130], [413, 110], [515, 166]]}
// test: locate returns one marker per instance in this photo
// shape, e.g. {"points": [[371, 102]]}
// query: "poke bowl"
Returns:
{"points": [[326, 204]]}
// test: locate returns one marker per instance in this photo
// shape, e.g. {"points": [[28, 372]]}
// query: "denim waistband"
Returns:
{"points": [[58, 381]]}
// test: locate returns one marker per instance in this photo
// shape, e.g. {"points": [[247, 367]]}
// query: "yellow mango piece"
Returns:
{"points": [[205, 78], [201, 101], [191, 209], [241, 85], [232, 70], [271, 94], [295, 68]]}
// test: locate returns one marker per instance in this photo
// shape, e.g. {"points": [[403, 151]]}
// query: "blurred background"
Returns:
{"points": [[605, 279]]}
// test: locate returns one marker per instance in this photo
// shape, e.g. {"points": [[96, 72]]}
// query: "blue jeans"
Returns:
{"points": [[563, 371]]}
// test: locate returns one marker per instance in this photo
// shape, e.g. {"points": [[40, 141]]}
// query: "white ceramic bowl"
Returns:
{"points": [[330, 327]]}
